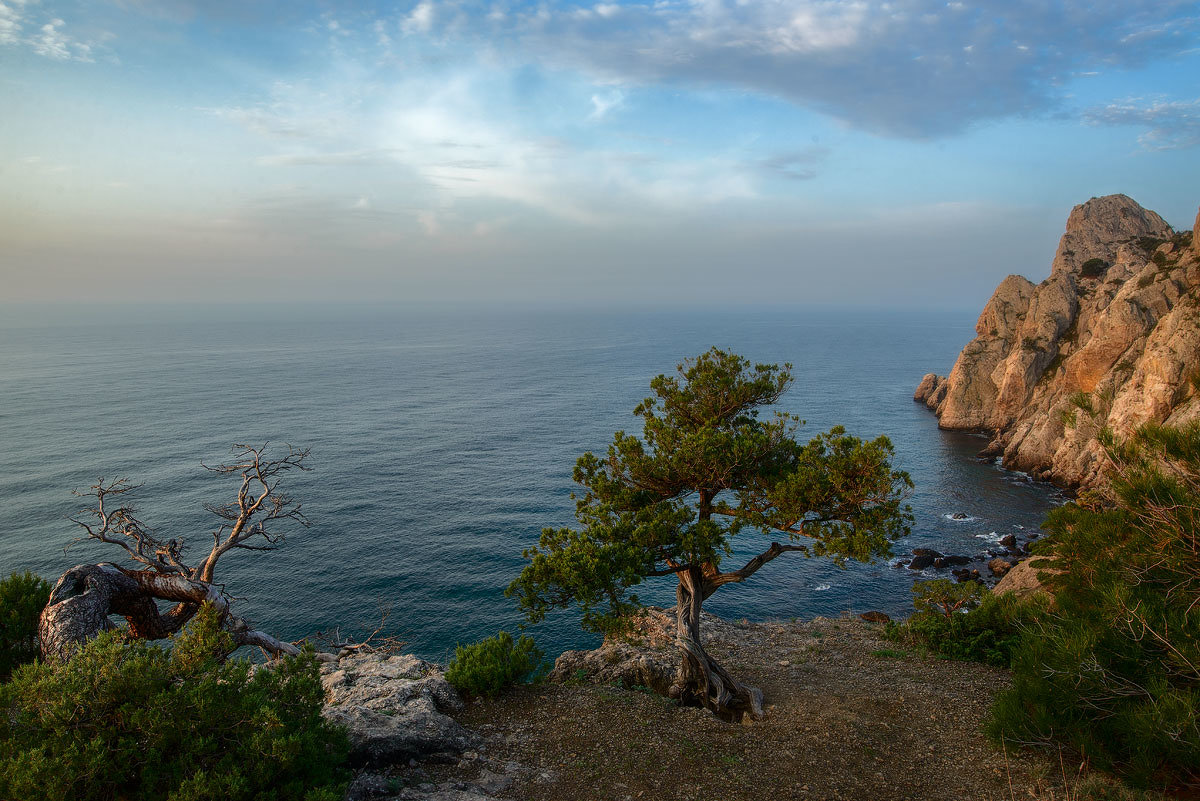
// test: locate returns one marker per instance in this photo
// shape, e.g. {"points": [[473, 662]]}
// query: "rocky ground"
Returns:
{"points": [[849, 716]]}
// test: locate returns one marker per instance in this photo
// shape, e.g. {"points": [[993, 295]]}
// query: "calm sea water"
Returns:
{"points": [[443, 441]]}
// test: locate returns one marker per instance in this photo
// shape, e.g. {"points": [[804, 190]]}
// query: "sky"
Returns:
{"points": [[674, 152]]}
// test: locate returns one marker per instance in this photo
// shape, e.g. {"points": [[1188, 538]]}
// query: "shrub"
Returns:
{"points": [[495, 664], [132, 720], [22, 598], [963, 621], [1114, 670], [1093, 268]]}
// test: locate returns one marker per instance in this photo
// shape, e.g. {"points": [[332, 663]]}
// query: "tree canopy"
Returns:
{"points": [[708, 468]]}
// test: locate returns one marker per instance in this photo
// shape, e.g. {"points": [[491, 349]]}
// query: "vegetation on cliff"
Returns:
{"points": [[1113, 670]]}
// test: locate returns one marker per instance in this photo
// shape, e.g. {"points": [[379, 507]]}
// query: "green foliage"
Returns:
{"points": [[22, 598], [1159, 258], [963, 621], [130, 720], [1093, 268], [1145, 281], [1083, 402], [705, 470], [1148, 243], [491, 666], [945, 597], [1114, 670]]}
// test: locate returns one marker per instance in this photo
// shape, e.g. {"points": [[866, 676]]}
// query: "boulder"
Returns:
{"points": [[999, 567], [876, 617], [921, 562], [643, 657], [395, 707], [1023, 580]]}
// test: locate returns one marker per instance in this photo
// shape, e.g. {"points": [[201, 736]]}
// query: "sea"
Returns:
{"points": [[442, 442]]}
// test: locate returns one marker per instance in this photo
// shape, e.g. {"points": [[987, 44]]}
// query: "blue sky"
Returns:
{"points": [[670, 151]]}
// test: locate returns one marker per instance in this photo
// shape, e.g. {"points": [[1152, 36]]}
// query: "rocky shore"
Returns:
{"points": [[848, 717], [1110, 338]]}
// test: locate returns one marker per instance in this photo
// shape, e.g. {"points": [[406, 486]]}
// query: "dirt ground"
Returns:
{"points": [[849, 716]]}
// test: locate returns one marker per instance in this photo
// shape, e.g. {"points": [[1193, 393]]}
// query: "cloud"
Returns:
{"points": [[903, 68], [604, 103], [421, 18], [50, 41], [11, 17], [1172, 125]]}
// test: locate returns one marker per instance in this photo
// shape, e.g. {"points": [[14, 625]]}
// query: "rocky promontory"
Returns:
{"points": [[1110, 338]]}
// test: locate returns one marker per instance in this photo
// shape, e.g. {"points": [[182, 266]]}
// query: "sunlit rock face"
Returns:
{"points": [[1110, 338]]}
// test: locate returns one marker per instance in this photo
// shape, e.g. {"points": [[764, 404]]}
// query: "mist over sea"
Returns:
{"points": [[444, 440]]}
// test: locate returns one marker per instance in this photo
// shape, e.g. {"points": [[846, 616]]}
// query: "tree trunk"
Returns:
{"points": [[700, 679], [86, 595]]}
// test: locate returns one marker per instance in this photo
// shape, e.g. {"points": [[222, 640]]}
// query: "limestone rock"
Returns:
{"points": [[645, 656], [1109, 338], [1022, 580], [394, 706]]}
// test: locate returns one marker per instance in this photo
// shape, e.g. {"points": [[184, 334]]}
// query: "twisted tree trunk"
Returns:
{"points": [[85, 596], [700, 679]]}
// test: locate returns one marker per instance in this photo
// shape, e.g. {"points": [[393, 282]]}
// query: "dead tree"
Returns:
{"points": [[85, 596]]}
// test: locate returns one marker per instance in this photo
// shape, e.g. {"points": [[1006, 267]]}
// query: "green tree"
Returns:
{"points": [[1113, 670], [707, 469]]}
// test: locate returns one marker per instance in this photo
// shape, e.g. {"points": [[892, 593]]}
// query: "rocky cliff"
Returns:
{"points": [[1111, 337]]}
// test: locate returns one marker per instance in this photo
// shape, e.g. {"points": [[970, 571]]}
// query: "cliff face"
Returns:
{"points": [[1114, 328]]}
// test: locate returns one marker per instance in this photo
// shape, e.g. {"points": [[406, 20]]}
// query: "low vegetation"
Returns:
{"points": [[490, 666], [22, 597], [1113, 671], [964, 621], [127, 719]]}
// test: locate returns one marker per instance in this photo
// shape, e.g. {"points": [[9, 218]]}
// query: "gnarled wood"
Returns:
{"points": [[700, 679], [86, 595]]}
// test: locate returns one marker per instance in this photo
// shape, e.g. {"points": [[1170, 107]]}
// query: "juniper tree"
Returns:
{"points": [[707, 470]]}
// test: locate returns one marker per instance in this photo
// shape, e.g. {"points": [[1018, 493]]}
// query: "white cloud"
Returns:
{"points": [[362, 204], [52, 43], [1172, 125], [602, 104], [50, 40], [421, 18], [10, 22]]}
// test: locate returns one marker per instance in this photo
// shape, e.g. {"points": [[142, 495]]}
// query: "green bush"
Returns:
{"points": [[963, 621], [1114, 670], [131, 720], [22, 598], [495, 664], [1093, 268]]}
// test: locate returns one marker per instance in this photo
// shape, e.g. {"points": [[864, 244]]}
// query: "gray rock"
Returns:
{"points": [[395, 708]]}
